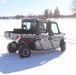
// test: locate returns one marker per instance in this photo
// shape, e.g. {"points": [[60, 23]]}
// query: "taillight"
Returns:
{"points": [[17, 36]]}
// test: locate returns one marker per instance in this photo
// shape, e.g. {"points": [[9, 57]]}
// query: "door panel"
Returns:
{"points": [[55, 40], [55, 37], [44, 41]]}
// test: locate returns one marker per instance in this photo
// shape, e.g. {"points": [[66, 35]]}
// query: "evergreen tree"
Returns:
{"points": [[46, 13], [56, 13]]}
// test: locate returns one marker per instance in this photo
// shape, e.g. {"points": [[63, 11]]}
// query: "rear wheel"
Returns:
{"points": [[24, 51], [12, 47], [63, 46]]}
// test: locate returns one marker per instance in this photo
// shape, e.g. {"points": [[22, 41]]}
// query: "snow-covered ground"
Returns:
{"points": [[52, 62]]}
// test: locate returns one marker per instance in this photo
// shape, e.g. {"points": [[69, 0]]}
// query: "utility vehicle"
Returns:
{"points": [[37, 35]]}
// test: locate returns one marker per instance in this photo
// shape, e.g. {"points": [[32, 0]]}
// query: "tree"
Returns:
{"points": [[56, 13], [46, 13], [73, 6], [30, 15], [50, 14], [19, 16]]}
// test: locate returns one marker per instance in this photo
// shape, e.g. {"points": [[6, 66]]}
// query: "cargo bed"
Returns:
{"points": [[13, 35]]}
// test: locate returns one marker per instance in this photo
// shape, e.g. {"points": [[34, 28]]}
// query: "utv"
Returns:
{"points": [[35, 34]]}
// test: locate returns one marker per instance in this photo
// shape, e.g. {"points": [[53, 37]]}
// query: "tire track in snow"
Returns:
{"points": [[70, 41]]}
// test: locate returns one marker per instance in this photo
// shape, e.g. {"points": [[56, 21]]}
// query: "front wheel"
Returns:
{"points": [[24, 51], [63, 46], [12, 47]]}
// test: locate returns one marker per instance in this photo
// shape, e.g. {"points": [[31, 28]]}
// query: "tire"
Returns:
{"points": [[24, 51], [12, 47], [63, 46]]}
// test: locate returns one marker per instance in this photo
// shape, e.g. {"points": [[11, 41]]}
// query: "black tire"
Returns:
{"points": [[12, 47], [24, 51], [63, 46]]}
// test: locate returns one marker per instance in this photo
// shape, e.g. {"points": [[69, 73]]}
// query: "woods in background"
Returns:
{"points": [[48, 13]]}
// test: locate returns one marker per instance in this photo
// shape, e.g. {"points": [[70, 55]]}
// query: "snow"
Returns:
{"points": [[53, 62]]}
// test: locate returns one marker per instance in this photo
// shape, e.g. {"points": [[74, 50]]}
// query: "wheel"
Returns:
{"points": [[12, 47], [63, 46], [24, 51]]}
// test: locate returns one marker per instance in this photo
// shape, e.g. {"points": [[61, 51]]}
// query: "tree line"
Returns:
{"points": [[47, 13]]}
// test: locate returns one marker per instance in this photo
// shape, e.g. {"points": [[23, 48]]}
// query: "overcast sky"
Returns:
{"points": [[25, 7]]}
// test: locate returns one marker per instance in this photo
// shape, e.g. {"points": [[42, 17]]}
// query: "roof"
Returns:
{"points": [[39, 19]]}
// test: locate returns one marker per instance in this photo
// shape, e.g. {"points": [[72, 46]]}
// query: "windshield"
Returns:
{"points": [[29, 25]]}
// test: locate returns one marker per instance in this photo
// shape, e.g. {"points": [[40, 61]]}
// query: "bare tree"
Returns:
{"points": [[74, 6]]}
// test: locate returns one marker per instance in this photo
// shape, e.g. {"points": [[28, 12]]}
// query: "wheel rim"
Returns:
{"points": [[13, 45], [25, 52]]}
